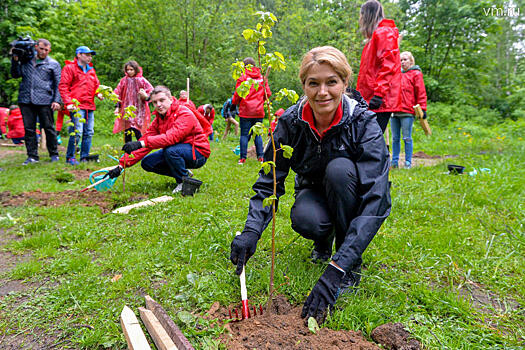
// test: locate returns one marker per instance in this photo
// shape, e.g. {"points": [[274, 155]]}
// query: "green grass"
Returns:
{"points": [[445, 234]]}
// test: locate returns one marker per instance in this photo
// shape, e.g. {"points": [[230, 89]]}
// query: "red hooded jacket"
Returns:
{"points": [[210, 117], [179, 125], [252, 106], [15, 123], [74, 83], [3, 119], [413, 90], [380, 70]]}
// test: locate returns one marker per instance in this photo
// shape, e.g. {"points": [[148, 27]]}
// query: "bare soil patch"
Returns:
{"points": [[54, 199], [283, 328], [485, 301], [420, 158], [36, 338], [81, 174]]}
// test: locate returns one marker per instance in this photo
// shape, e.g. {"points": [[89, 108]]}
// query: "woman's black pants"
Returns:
{"points": [[323, 211]]}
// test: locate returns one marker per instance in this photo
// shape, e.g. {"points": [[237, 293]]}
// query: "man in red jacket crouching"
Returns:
{"points": [[176, 132]]}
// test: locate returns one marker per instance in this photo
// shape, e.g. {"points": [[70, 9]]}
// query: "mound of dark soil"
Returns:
{"points": [[284, 329], [393, 336]]}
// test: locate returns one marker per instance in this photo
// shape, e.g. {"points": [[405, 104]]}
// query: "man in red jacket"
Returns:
{"points": [[251, 108], [80, 82], [176, 132]]}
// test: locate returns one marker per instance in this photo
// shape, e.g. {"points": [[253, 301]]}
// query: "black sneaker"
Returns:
{"points": [[350, 282], [322, 251]]}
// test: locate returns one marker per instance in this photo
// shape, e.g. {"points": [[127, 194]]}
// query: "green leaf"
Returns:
{"points": [[185, 317], [82, 120], [313, 326], [258, 129], [267, 166], [70, 124], [247, 34], [287, 151], [268, 201]]}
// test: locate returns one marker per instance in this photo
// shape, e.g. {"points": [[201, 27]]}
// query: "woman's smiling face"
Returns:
{"points": [[324, 89]]}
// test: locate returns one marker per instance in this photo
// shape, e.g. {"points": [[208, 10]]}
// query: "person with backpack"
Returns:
{"points": [[176, 132], [228, 112]]}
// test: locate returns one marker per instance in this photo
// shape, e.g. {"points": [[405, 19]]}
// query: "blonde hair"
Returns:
{"points": [[329, 55], [410, 57], [369, 17]]}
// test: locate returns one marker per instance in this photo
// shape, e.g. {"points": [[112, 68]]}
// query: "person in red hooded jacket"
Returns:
{"points": [[15, 125], [208, 112], [176, 132], [413, 92], [379, 79], [3, 121], [132, 90], [251, 108], [79, 81], [185, 100]]}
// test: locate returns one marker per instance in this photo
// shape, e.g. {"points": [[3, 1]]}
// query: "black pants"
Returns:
{"points": [[382, 119], [128, 137], [47, 123], [323, 209]]}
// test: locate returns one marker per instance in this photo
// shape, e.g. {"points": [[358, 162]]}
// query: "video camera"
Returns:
{"points": [[23, 48]]}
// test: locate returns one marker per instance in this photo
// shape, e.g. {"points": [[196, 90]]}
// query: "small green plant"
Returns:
{"points": [[267, 61]]}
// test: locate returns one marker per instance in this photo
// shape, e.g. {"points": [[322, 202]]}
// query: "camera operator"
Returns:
{"points": [[38, 97]]}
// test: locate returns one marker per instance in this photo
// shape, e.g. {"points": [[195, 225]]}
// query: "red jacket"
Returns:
{"points": [[210, 117], [187, 102], [380, 70], [15, 123], [252, 106], [178, 126], [74, 83], [413, 90], [3, 119]]}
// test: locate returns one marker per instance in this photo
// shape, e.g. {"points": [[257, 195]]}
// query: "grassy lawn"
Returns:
{"points": [[448, 262]]}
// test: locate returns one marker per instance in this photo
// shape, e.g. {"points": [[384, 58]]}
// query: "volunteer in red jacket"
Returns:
{"points": [[379, 80], [4, 111], [413, 92], [15, 125], [79, 81], [208, 112], [251, 108], [176, 132]]}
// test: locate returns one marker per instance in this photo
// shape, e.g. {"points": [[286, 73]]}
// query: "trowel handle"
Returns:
{"points": [[242, 278]]}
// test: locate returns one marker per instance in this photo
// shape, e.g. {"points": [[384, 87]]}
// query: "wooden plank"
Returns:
{"points": [[126, 209], [169, 326], [158, 333], [132, 330]]}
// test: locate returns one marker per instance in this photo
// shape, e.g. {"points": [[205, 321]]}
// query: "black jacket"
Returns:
{"points": [[357, 137]]}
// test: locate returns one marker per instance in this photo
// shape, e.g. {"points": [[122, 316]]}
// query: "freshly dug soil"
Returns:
{"points": [[393, 336], [90, 198], [284, 329]]}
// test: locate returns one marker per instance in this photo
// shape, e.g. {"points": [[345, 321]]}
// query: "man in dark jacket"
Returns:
{"points": [[38, 97]]}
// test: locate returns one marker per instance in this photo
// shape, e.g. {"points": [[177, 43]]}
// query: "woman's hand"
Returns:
{"points": [[143, 95], [324, 294], [242, 248]]}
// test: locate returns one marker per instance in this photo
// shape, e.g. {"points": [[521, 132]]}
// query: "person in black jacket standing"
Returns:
{"points": [[341, 189], [38, 97]]}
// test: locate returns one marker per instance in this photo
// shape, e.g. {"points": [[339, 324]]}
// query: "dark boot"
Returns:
{"points": [[350, 282], [322, 251]]}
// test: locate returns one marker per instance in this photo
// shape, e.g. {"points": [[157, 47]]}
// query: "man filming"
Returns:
{"points": [[38, 97]]}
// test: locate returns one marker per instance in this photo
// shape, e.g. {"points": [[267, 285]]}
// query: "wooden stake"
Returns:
{"points": [[188, 87], [132, 330], [158, 333], [126, 209], [171, 328]]}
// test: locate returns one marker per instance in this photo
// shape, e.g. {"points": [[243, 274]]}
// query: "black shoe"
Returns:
{"points": [[350, 282], [320, 256]]}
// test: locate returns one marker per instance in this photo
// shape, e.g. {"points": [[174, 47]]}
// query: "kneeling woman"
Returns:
{"points": [[341, 190]]}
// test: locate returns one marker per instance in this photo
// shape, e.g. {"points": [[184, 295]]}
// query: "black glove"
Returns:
{"points": [[242, 248], [375, 102], [115, 172], [424, 114], [131, 146], [323, 295]]}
